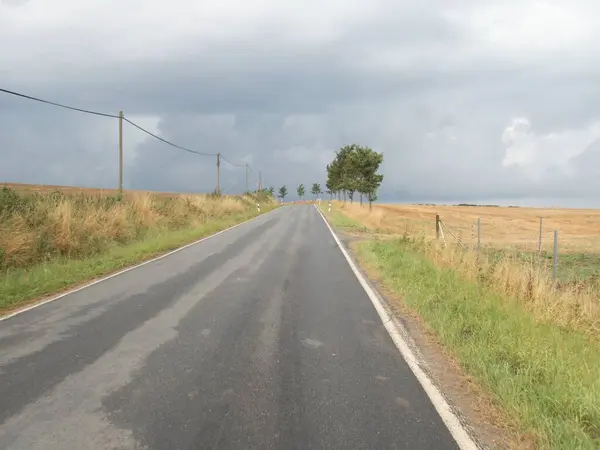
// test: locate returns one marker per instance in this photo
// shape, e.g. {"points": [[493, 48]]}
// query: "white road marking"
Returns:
{"points": [[395, 330]]}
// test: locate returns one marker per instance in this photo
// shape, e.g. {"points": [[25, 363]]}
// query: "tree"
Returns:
{"points": [[341, 177], [300, 191], [354, 169], [330, 184], [371, 188], [316, 189], [334, 177], [263, 194], [271, 191], [282, 192], [365, 163], [371, 197]]}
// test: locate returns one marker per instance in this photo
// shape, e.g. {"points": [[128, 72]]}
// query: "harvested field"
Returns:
{"points": [[509, 262], [501, 227]]}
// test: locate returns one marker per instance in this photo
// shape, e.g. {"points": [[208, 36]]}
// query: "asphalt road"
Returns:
{"points": [[258, 338]]}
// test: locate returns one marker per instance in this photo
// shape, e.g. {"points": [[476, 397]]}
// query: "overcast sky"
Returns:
{"points": [[469, 100]]}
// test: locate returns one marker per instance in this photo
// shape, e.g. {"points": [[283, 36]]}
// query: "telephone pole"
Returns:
{"points": [[120, 152], [259, 180], [218, 173], [246, 177]]}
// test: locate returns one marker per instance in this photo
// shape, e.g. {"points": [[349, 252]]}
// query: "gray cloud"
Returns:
{"points": [[439, 87]]}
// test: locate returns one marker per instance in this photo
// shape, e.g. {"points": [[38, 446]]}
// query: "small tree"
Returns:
{"points": [[301, 191], [282, 192], [372, 193], [316, 189], [271, 191]]}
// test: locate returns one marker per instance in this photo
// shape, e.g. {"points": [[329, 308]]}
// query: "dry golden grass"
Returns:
{"points": [[573, 304], [40, 223], [579, 229], [23, 188]]}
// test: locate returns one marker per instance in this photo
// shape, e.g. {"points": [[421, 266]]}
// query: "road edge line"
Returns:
{"points": [[127, 269], [458, 431]]}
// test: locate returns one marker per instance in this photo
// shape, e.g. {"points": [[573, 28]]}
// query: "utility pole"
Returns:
{"points": [[246, 177], [120, 153], [260, 180], [218, 173]]}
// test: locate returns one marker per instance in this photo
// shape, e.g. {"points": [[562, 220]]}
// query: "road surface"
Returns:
{"points": [[258, 338]]}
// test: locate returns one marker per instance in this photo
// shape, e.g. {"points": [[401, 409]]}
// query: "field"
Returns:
{"points": [[48, 188], [509, 261], [54, 237], [531, 343], [579, 229], [512, 231]]}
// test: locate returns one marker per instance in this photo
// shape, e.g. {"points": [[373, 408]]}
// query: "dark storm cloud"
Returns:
{"points": [[433, 85]]}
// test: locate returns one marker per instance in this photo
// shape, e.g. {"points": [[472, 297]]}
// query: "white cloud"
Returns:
{"points": [[535, 28], [536, 153]]}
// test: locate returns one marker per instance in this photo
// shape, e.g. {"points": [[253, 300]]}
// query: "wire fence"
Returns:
{"points": [[491, 239], [122, 118]]}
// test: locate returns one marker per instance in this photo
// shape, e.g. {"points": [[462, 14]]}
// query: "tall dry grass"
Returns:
{"points": [[570, 305], [501, 227], [36, 227]]}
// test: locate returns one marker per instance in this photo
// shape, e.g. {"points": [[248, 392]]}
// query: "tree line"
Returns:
{"points": [[301, 191], [353, 170]]}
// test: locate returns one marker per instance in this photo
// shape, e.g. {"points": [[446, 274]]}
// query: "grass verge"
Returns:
{"points": [[23, 285], [571, 302], [545, 377]]}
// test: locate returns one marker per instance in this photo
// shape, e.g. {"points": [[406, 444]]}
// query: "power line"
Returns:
{"points": [[233, 164], [96, 113], [113, 116], [169, 143]]}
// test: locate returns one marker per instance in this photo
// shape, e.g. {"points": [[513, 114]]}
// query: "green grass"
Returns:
{"points": [[577, 266], [18, 286], [545, 377], [342, 221], [572, 267]]}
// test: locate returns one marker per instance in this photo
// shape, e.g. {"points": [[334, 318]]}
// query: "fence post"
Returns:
{"points": [[437, 226], [555, 255]]}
